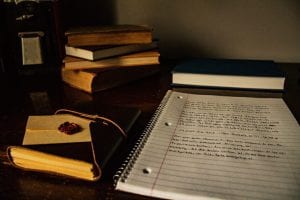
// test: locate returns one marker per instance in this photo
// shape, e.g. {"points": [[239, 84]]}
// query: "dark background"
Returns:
{"points": [[240, 29], [265, 30]]}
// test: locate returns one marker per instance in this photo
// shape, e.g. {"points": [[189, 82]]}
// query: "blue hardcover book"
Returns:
{"points": [[228, 73]]}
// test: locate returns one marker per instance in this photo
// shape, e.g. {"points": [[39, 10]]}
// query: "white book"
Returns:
{"points": [[106, 51], [216, 147]]}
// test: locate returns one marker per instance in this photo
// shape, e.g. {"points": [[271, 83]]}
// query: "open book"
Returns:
{"points": [[216, 147]]}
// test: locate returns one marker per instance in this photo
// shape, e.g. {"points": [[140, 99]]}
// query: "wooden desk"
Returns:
{"points": [[49, 95]]}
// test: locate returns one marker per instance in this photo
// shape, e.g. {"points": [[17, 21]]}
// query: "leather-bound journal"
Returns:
{"points": [[70, 143]]}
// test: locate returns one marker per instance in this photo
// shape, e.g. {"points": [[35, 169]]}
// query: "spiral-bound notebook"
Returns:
{"points": [[216, 147]]}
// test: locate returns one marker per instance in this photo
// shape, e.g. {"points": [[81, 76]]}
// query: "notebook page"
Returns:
{"points": [[219, 147]]}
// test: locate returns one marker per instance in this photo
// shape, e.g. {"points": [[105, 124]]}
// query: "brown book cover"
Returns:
{"points": [[108, 35], [106, 51], [134, 59], [94, 80], [83, 160]]}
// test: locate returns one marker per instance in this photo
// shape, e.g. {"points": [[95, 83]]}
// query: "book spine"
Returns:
{"points": [[125, 168]]}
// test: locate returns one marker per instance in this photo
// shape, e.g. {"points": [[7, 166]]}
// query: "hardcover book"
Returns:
{"points": [[225, 73], [108, 35], [134, 59], [105, 51], [82, 154], [97, 80]]}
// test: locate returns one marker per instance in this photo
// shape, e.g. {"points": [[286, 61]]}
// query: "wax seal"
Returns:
{"points": [[69, 128]]}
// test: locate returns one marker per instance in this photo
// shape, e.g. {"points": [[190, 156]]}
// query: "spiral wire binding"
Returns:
{"points": [[125, 168]]}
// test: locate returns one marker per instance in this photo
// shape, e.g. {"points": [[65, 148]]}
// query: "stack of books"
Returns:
{"points": [[99, 58]]}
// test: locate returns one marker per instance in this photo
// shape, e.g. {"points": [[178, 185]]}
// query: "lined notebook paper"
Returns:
{"points": [[217, 147]]}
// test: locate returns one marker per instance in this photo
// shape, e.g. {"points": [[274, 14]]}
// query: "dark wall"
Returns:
{"points": [[88, 12], [250, 29], [254, 29]]}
